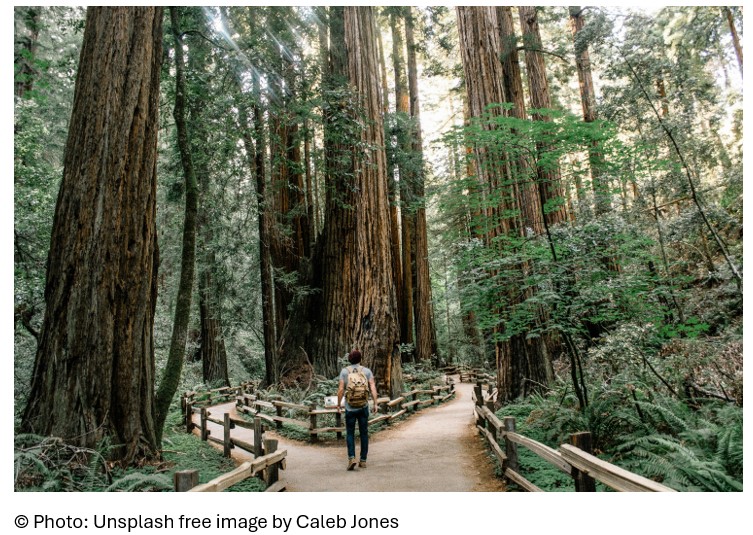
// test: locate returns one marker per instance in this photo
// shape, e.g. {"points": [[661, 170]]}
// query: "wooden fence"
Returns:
{"points": [[307, 417], [574, 459], [267, 467]]}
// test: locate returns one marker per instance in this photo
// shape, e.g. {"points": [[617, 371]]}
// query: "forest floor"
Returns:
{"points": [[435, 450]]}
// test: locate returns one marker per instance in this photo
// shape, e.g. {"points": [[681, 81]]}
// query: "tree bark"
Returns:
{"points": [[397, 267], [549, 177], [407, 223], [599, 182], [426, 333], [94, 370], [352, 264], [521, 363]]}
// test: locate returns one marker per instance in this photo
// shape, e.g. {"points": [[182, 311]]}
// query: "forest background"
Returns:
{"points": [[7, 323]]}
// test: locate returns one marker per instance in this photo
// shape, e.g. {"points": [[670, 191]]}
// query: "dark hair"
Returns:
{"points": [[354, 357]]}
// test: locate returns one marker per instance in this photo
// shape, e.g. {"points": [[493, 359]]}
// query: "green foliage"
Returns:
{"points": [[662, 439]]}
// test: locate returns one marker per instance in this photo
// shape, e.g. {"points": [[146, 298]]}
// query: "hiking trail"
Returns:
{"points": [[435, 450]]}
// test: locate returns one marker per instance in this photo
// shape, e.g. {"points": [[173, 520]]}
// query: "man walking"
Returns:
{"points": [[356, 382]]}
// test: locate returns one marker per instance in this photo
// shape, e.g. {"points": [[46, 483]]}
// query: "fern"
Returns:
{"points": [[137, 481]]}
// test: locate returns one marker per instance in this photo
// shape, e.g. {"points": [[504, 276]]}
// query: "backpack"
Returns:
{"points": [[357, 389]]}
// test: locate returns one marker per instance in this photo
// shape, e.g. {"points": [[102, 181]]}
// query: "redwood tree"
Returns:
{"points": [[426, 333], [94, 370], [356, 305]]}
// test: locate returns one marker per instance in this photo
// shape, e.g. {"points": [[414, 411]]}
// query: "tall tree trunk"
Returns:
{"points": [[357, 305], [549, 177], [94, 370], [525, 181], [426, 333], [599, 182], [735, 38], [521, 363], [285, 230], [397, 267], [403, 148], [212, 343], [172, 371], [256, 149]]}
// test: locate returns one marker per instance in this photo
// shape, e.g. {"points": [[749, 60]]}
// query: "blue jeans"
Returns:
{"points": [[362, 416]]}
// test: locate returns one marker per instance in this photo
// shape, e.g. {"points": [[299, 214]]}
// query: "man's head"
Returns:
{"points": [[354, 357]]}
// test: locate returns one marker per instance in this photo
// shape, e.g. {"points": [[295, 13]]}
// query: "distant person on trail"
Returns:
{"points": [[356, 382]]}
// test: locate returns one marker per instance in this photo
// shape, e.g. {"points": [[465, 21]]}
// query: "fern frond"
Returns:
{"points": [[141, 482]]}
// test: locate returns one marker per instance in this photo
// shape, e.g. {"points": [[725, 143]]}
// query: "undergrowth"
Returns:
{"points": [[47, 464], [664, 439]]}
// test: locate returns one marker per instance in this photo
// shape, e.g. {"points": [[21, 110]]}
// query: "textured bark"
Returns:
{"points": [[426, 333], [599, 182], [265, 255], [176, 356], [290, 233], [212, 344], [407, 222], [94, 370], [525, 182], [397, 267], [521, 363], [550, 180], [357, 305]]}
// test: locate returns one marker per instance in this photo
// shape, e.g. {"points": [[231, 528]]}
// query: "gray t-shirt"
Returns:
{"points": [[344, 378]]}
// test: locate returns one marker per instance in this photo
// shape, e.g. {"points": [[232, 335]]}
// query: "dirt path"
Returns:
{"points": [[437, 449]]}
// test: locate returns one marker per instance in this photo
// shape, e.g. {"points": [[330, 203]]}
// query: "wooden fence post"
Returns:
{"points": [[312, 421], [278, 411], [272, 471], [511, 449], [258, 431], [583, 482], [226, 441], [185, 480], [189, 416], [204, 430], [479, 394], [339, 423], [490, 427]]}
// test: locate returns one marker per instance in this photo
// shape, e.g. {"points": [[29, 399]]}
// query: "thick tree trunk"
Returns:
{"points": [[177, 354], [426, 333], [599, 182], [94, 371], [521, 362], [357, 305], [397, 267]]}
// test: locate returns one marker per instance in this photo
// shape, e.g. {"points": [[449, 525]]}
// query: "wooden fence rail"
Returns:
{"points": [[573, 459], [307, 417], [266, 466]]}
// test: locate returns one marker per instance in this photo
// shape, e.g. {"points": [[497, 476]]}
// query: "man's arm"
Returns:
{"points": [[372, 387], [340, 393]]}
